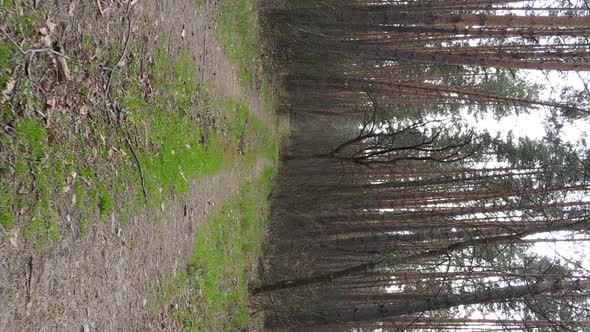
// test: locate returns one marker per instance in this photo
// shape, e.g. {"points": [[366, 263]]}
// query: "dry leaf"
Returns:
{"points": [[14, 237], [7, 92], [51, 103]]}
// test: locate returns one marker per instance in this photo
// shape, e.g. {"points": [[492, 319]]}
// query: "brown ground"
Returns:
{"points": [[104, 280]]}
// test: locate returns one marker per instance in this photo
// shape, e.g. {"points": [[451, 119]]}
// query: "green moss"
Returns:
{"points": [[25, 24], [6, 4], [33, 135], [21, 168], [175, 153], [7, 220], [238, 113], [105, 202], [42, 230], [45, 174], [6, 51], [26, 94], [87, 42]]}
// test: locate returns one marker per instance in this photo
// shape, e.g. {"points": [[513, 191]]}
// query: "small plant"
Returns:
{"points": [[7, 220], [87, 42], [105, 202], [6, 51]]}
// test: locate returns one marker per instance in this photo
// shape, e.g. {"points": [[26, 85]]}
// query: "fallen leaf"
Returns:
{"points": [[72, 8], [14, 238], [7, 92], [51, 103], [50, 25]]}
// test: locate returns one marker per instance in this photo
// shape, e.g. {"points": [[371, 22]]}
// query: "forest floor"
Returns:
{"points": [[138, 146]]}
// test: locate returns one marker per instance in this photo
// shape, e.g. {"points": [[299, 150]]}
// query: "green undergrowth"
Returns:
{"points": [[23, 25], [6, 51], [169, 131], [254, 139], [238, 32], [178, 145], [212, 293]]}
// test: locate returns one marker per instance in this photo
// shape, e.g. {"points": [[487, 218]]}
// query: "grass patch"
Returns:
{"points": [[239, 117], [253, 139], [7, 220], [178, 147], [238, 32], [214, 289], [6, 51]]}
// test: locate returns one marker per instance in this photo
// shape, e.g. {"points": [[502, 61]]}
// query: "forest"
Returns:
{"points": [[437, 175], [295, 165]]}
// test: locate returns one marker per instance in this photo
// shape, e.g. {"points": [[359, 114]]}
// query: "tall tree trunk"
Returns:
{"points": [[364, 267], [446, 301], [443, 58]]}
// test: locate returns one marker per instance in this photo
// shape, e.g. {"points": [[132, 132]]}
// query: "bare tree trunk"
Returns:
{"points": [[446, 301], [364, 267]]}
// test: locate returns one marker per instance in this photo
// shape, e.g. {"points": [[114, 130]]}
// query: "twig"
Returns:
{"points": [[127, 38], [12, 40], [49, 50], [145, 196], [109, 97], [30, 278], [100, 11], [36, 50]]}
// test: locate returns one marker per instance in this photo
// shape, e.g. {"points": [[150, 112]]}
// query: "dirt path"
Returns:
{"points": [[171, 18], [103, 280]]}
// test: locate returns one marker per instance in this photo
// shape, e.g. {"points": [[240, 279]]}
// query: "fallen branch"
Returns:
{"points": [[127, 38], [100, 11], [12, 41], [138, 164], [47, 50], [35, 50]]}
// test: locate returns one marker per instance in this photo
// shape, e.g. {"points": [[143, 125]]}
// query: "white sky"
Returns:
{"points": [[532, 125], [575, 255], [562, 251]]}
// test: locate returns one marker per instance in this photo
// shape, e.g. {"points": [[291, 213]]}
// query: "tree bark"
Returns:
{"points": [[360, 268], [446, 301], [443, 58]]}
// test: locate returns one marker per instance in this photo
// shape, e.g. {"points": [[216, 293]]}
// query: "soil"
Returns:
{"points": [[171, 17], [105, 279]]}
